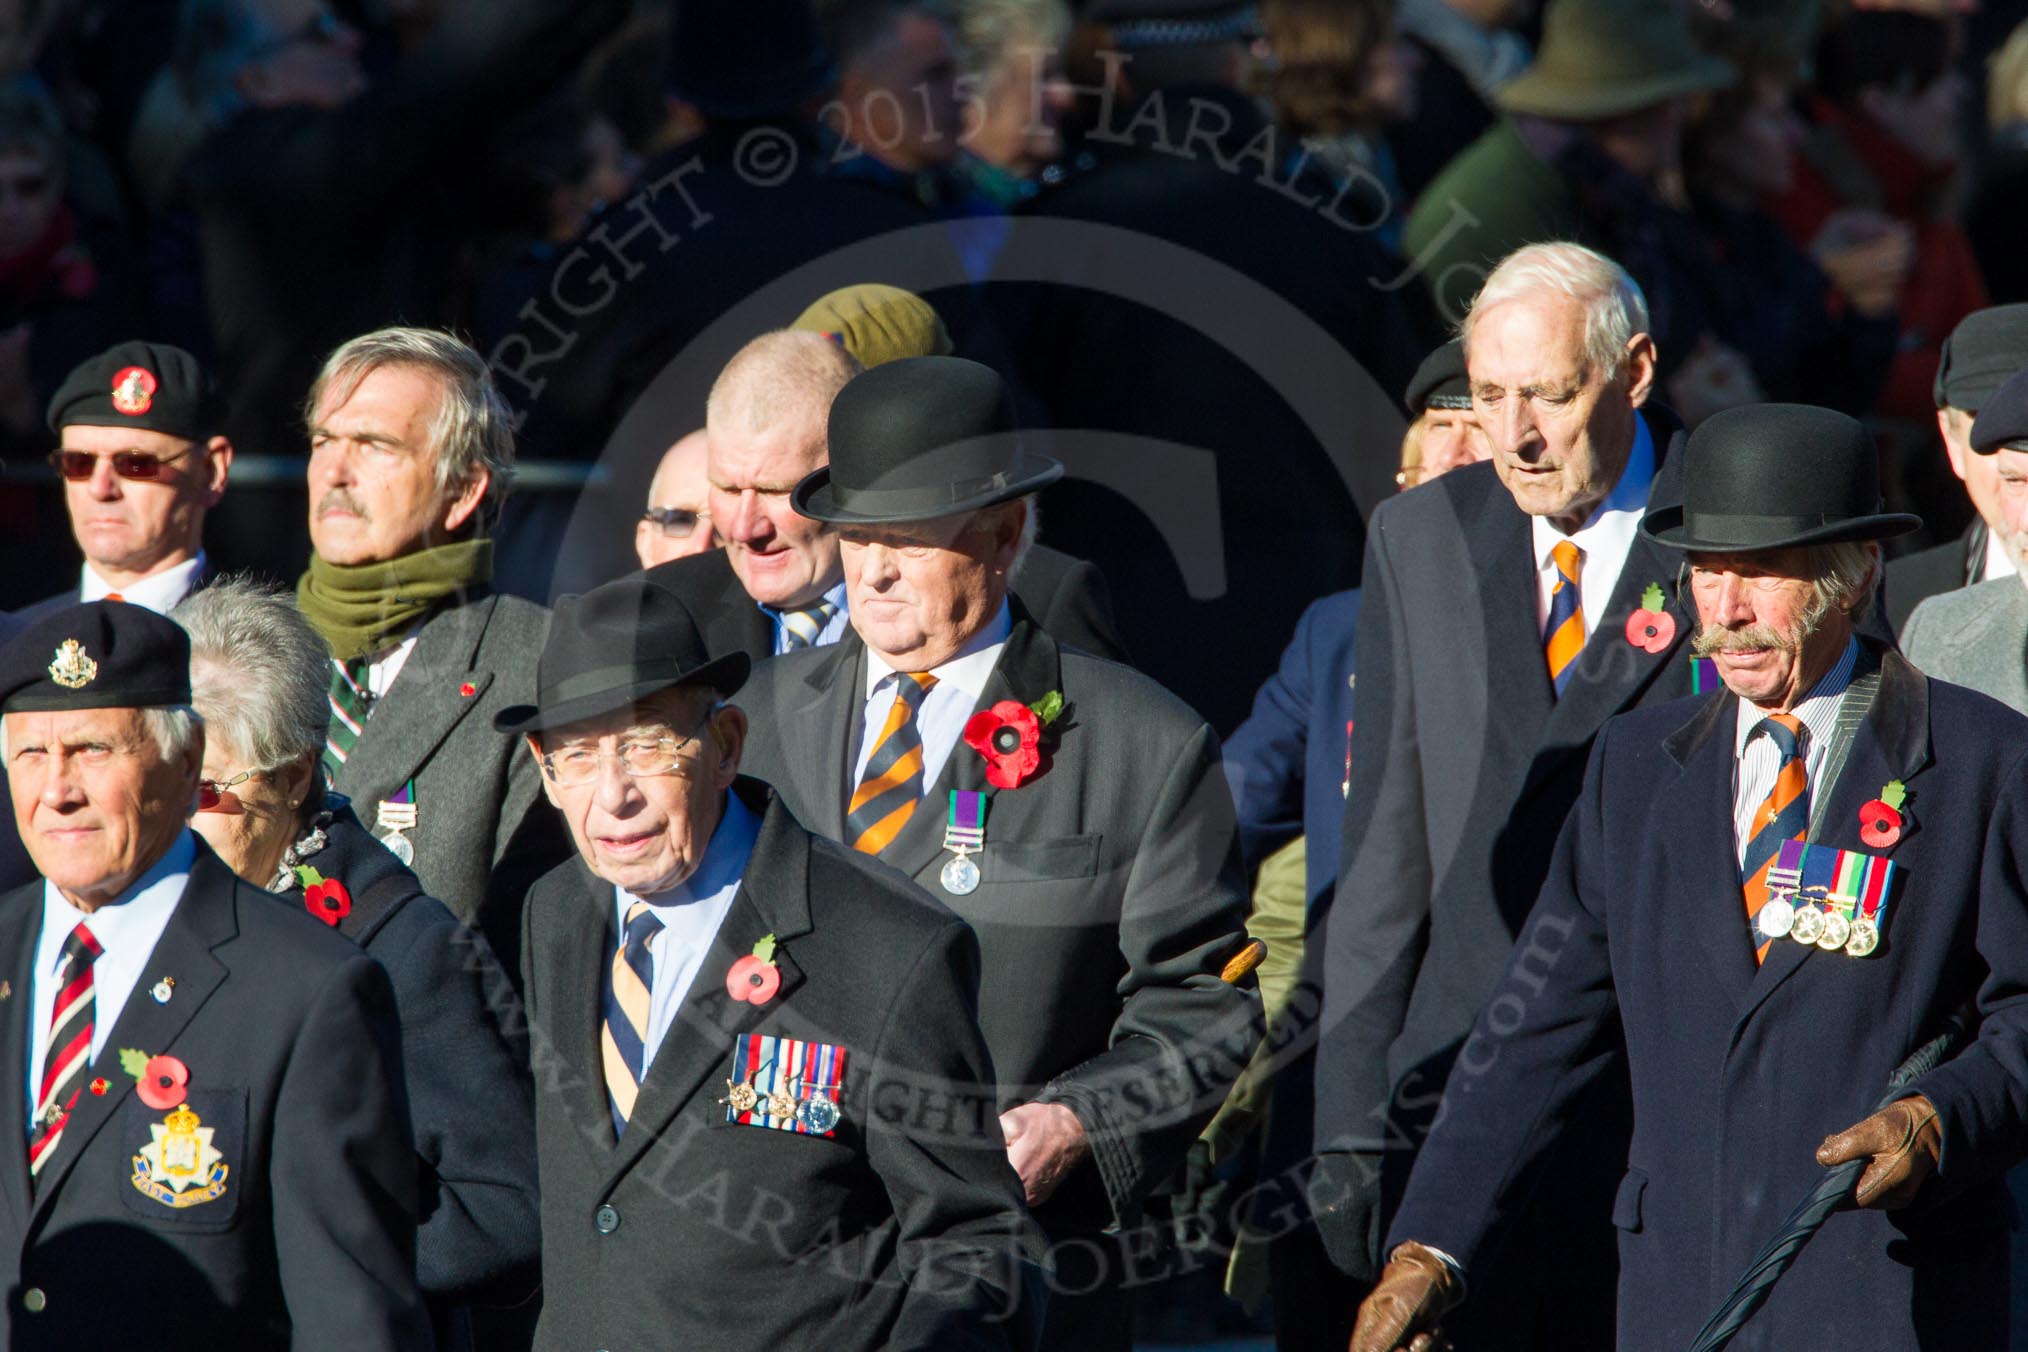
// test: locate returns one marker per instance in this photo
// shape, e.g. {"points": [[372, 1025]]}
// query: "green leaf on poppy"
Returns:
{"points": [[133, 1062], [1048, 707], [1651, 599], [765, 949], [309, 876], [1895, 794]]}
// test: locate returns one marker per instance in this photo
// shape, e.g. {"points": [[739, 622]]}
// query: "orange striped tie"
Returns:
{"points": [[1784, 816], [892, 784], [1563, 636]]}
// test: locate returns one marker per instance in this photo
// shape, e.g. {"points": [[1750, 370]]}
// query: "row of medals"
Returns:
{"points": [[819, 1112], [1809, 924]]}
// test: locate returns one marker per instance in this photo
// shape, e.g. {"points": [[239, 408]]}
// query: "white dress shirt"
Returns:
{"points": [[1759, 761], [159, 592], [1604, 539], [690, 914], [384, 666], [127, 929], [1999, 563], [834, 627], [950, 703]]}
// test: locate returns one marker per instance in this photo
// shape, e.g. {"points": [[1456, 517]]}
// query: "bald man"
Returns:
{"points": [[677, 524]]}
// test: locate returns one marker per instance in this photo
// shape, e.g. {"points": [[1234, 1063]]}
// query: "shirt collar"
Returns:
{"points": [[1618, 515], [967, 669], [724, 863], [1817, 711], [159, 592], [161, 886]]}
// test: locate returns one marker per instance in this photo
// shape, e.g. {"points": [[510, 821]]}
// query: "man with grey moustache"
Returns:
{"points": [[410, 456]]}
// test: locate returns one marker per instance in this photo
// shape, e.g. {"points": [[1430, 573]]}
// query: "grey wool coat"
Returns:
{"points": [[1975, 636]]}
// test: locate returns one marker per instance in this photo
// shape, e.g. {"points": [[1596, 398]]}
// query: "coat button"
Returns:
{"points": [[33, 1301], [606, 1219]]}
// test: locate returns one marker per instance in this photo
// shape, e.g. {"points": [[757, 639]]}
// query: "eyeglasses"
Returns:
{"points": [[211, 792], [675, 522], [78, 466], [639, 758]]}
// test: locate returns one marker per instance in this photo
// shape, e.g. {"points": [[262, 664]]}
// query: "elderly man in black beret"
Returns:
{"points": [[1974, 636], [1763, 901], [764, 1108], [213, 1149], [142, 460], [1068, 807], [1984, 349]]}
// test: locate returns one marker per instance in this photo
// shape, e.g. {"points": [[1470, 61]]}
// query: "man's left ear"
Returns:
{"points": [[728, 730], [1640, 369], [1007, 535], [460, 510], [218, 456]]}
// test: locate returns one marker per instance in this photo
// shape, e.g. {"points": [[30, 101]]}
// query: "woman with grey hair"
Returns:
{"points": [[257, 676]]}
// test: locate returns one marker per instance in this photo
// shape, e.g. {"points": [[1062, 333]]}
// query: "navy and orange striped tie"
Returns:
{"points": [[1784, 816], [1563, 636], [892, 783], [623, 1040], [67, 1048]]}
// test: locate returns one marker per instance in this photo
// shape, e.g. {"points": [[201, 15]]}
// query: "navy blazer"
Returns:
{"points": [[1288, 762], [1638, 952]]}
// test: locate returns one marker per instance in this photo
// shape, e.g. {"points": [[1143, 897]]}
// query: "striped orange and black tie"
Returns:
{"points": [[1563, 636], [892, 783], [1784, 816], [623, 1037]]}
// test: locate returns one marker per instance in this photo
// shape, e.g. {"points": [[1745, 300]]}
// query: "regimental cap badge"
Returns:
{"points": [[134, 390], [72, 669]]}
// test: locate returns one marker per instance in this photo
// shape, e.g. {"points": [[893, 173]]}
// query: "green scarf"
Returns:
{"points": [[366, 607]]}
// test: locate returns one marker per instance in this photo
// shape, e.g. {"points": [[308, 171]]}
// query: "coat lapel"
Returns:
{"points": [[20, 924], [773, 898], [1703, 856], [1893, 743], [424, 704], [1028, 669], [576, 947], [1501, 541], [824, 699], [205, 917], [1611, 671]]}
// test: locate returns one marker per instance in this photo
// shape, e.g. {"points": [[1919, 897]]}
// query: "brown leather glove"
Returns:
{"points": [[1904, 1138], [1416, 1290]]}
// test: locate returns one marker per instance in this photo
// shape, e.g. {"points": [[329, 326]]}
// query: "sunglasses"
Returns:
{"points": [[675, 522], [211, 793], [78, 466]]}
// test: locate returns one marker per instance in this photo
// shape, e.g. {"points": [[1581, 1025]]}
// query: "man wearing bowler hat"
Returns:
{"points": [[142, 461], [212, 1150], [1764, 900], [1068, 807], [766, 1108]]}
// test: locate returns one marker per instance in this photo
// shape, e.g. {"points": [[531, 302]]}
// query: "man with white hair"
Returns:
{"points": [[1508, 610], [410, 455]]}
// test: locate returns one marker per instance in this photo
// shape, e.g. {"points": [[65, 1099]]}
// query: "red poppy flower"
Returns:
{"points": [[99, 1086], [328, 901], [751, 981], [468, 690], [1651, 628], [1879, 825], [162, 1081], [1009, 736]]}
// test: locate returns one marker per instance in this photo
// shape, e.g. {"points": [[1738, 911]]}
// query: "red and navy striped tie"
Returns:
{"points": [[67, 1051]]}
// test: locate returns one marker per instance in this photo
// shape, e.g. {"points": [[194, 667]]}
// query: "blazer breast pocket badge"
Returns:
{"points": [[785, 1083], [181, 1167], [185, 1141]]}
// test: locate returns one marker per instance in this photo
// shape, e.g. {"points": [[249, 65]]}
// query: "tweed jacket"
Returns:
{"points": [[1975, 636], [482, 833], [1110, 896]]}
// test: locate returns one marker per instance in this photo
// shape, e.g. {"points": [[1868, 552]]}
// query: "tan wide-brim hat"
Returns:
{"points": [[1608, 58]]}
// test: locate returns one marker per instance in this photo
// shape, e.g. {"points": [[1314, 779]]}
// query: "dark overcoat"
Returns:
{"points": [[1638, 952]]}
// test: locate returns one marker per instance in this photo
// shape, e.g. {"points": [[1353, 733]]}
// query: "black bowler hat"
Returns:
{"points": [[1772, 476], [921, 438], [2003, 422], [152, 386], [1440, 381], [1984, 349], [612, 646], [757, 58], [100, 655]]}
